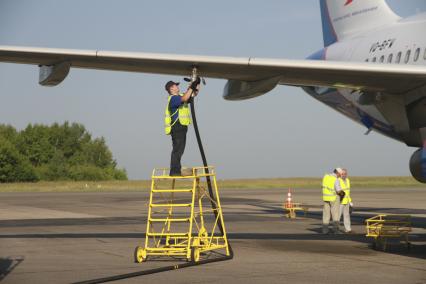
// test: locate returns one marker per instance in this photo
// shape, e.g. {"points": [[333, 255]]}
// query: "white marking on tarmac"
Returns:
{"points": [[8, 212]]}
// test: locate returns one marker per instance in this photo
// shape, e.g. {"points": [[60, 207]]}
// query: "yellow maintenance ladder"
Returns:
{"points": [[179, 225]]}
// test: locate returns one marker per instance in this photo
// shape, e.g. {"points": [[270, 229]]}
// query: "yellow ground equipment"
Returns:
{"points": [[290, 207], [182, 221], [383, 227]]}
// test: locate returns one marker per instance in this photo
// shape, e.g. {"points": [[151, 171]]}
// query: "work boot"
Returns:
{"points": [[336, 227], [186, 172], [325, 230]]}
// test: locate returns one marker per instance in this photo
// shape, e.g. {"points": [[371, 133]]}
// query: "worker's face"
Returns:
{"points": [[174, 90], [344, 174]]}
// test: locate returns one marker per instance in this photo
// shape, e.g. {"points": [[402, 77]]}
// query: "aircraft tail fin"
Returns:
{"points": [[342, 18]]}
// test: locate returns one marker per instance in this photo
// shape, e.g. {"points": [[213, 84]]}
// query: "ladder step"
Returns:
{"points": [[171, 190], [172, 205], [167, 234], [169, 220]]}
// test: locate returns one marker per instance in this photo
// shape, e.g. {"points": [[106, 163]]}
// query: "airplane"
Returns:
{"points": [[371, 69]]}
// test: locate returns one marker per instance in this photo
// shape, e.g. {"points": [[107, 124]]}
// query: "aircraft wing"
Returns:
{"points": [[258, 74]]}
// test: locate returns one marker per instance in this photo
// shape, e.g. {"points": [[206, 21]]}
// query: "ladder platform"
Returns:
{"points": [[197, 172]]}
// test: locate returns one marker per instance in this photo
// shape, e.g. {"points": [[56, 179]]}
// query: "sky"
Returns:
{"points": [[281, 134]]}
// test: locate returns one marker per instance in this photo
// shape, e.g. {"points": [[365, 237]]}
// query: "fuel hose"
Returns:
{"points": [[215, 210], [209, 183]]}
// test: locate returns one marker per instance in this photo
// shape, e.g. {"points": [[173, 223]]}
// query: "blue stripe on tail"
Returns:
{"points": [[329, 34]]}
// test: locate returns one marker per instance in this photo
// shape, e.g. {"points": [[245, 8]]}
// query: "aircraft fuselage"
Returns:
{"points": [[400, 43]]}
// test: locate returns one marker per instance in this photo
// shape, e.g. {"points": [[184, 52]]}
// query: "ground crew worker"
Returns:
{"points": [[330, 189], [177, 119], [346, 202]]}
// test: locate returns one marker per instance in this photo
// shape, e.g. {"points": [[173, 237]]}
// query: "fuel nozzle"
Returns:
{"points": [[195, 79]]}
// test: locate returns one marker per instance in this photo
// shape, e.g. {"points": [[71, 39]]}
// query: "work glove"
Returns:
{"points": [[351, 204], [195, 84]]}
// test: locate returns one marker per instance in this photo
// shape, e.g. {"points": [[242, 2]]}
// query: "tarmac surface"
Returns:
{"points": [[71, 237]]}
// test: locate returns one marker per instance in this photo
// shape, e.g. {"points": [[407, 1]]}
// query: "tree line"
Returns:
{"points": [[56, 152]]}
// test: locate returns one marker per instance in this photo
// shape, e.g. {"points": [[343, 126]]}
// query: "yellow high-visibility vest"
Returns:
{"points": [[184, 116], [346, 187], [328, 190]]}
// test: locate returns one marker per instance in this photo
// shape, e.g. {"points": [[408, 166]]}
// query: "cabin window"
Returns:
{"points": [[407, 56], [366, 60], [398, 57], [424, 55], [382, 59], [390, 57], [417, 55], [374, 59]]}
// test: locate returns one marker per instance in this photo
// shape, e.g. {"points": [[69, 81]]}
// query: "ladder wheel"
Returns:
{"points": [[140, 254], [195, 254]]}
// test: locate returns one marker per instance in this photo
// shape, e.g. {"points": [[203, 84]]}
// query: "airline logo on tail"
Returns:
{"points": [[348, 2]]}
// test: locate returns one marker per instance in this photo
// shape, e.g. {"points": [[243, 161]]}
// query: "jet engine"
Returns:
{"points": [[242, 90], [53, 75], [418, 165]]}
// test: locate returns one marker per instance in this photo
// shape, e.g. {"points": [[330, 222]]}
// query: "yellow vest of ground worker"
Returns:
{"points": [[328, 191], [346, 187], [184, 116]]}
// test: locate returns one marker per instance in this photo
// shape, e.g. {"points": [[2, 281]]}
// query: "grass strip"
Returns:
{"points": [[267, 183]]}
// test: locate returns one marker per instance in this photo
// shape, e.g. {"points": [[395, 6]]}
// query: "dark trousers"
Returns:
{"points": [[178, 134]]}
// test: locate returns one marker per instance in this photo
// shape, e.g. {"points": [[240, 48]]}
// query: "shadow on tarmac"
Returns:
{"points": [[359, 219], [417, 251], [356, 218], [7, 265], [265, 209]]}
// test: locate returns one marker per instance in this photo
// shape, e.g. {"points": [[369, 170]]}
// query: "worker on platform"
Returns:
{"points": [[331, 191], [346, 203], [177, 119]]}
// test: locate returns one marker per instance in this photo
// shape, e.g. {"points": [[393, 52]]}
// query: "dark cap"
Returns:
{"points": [[169, 84]]}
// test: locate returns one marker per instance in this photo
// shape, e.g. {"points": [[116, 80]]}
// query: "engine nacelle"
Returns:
{"points": [[241, 90], [418, 165], [53, 75]]}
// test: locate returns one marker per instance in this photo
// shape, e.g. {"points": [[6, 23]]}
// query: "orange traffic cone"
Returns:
{"points": [[289, 205], [289, 199]]}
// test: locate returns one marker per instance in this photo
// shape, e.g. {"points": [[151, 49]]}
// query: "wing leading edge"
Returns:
{"points": [[358, 76]]}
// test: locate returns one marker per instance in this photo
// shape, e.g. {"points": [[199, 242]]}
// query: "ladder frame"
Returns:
{"points": [[196, 240]]}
